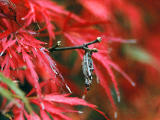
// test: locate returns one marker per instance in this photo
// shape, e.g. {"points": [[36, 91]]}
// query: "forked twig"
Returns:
{"points": [[84, 46]]}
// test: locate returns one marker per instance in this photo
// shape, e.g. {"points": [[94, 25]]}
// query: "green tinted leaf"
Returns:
{"points": [[141, 55], [138, 54], [5, 93], [16, 89], [11, 84]]}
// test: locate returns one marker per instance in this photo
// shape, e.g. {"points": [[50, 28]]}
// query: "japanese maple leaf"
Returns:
{"points": [[55, 105], [51, 12], [48, 104]]}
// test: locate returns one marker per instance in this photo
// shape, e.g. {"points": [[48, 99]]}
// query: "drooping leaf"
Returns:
{"points": [[18, 114], [44, 115], [101, 12]]}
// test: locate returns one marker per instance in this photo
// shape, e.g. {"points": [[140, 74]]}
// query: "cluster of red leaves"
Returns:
{"points": [[23, 57]]}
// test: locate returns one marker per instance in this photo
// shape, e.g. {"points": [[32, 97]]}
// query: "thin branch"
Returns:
{"points": [[84, 46]]}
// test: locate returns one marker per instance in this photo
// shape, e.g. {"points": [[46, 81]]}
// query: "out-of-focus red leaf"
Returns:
{"points": [[131, 13], [4, 34], [7, 9], [117, 68], [18, 114], [91, 5], [33, 116], [44, 115], [6, 69], [102, 78]]}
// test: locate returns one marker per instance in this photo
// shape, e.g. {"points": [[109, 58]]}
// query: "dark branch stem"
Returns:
{"points": [[84, 46]]}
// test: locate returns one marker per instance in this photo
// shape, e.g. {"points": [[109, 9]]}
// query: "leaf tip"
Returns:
{"points": [[1, 53], [133, 84]]}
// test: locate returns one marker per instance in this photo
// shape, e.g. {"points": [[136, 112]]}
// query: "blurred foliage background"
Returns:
{"points": [[139, 60]]}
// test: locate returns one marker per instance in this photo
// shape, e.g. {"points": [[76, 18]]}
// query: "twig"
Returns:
{"points": [[84, 46]]}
